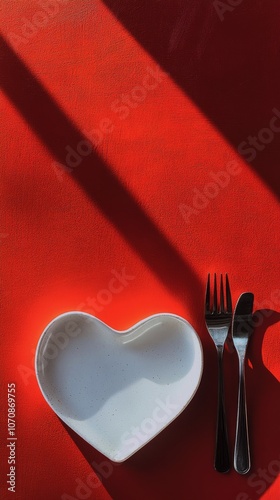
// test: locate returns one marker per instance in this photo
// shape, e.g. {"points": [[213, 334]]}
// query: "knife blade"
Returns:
{"points": [[243, 315], [241, 332]]}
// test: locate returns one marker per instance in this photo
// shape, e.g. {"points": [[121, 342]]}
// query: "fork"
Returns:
{"points": [[218, 323]]}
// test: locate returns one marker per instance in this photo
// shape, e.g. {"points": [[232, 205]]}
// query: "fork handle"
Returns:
{"points": [[222, 462], [242, 461]]}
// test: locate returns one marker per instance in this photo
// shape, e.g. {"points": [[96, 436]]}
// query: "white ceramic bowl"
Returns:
{"points": [[118, 389]]}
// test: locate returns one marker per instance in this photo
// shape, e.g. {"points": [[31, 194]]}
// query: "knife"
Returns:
{"points": [[241, 331]]}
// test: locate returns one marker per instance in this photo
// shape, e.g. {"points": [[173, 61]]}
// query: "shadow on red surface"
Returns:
{"points": [[178, 460], [226, 60], [106, 191], [225, 68]]}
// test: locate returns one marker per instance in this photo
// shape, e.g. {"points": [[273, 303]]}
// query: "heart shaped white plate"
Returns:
{"points": [[118, 389]]}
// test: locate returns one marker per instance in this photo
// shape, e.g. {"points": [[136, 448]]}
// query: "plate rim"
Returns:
{"points": [[38, 372]]}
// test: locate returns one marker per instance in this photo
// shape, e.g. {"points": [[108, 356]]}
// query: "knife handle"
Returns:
{"points": [[242, 460]]}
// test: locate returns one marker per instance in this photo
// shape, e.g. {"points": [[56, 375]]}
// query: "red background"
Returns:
{"points": [[65, 230]]}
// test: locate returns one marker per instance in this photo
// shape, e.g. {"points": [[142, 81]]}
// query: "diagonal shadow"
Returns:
{"points": [[56, 131], [174, 460], [227, 62]]}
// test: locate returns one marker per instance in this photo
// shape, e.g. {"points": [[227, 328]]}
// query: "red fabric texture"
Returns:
{"points": [[181, 103]]}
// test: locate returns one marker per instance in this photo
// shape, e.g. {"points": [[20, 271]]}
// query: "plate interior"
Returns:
{"points": [[118, 389]]}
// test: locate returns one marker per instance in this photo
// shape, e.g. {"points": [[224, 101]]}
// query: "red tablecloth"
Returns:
{"points": [[181, 103]]}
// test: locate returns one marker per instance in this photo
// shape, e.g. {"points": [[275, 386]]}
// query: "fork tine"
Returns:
{"points": [[228, 295], [222, 300], [207, 298], [215, 297]]}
